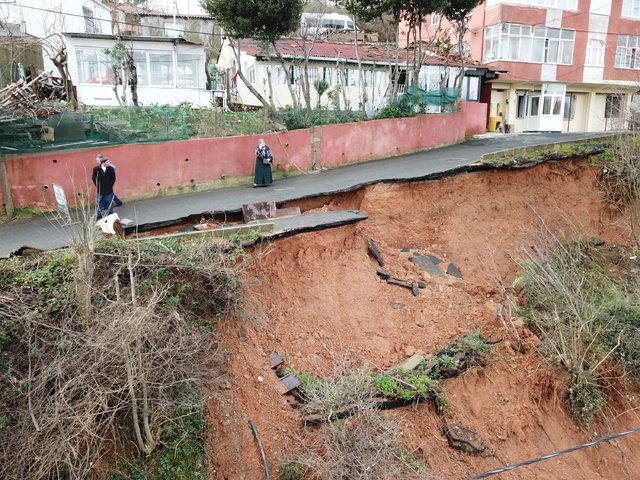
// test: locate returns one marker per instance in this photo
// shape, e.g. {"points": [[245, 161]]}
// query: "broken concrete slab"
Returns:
{"points": [[287, 212], [375, 251], [410, 363], [383, 274], [453, 271], [288, 382], [258, 211], [464, 439], [400, 283], [276, 360], [281, 227], [313, 222], [427, 263]]}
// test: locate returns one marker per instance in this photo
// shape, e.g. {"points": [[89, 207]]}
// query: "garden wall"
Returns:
{"points": [[151, 169]]}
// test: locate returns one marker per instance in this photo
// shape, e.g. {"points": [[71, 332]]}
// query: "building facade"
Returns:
{"points": [[356, 79], [565, 65]]}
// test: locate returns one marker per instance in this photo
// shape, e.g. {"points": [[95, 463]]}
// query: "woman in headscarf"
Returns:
{"points": [[264, 162]]}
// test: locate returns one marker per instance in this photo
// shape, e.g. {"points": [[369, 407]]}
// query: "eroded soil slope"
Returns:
{"points": [[316, 299]]}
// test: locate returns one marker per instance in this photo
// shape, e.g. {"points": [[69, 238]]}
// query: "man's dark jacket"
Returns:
{"points": [[104, 181]]}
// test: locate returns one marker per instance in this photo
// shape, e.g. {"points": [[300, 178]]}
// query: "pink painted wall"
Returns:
{"points": [[475, 117], [383, 138], [150, 169]]}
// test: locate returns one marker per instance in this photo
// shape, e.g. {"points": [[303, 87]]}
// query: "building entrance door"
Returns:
{"points": [[532, 114]]}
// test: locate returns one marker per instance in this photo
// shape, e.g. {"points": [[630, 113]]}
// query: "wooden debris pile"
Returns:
{"points": [[25, 99]]}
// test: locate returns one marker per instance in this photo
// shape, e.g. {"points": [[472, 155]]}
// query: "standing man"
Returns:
{"points": [[116, 201], [104, 177]]}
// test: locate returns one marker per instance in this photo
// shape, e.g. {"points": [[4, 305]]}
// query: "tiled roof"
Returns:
{"points": [[320, 49], [147, 12]]}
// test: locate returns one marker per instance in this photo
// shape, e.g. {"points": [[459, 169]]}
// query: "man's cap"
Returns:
{"points": [[102, 158]]}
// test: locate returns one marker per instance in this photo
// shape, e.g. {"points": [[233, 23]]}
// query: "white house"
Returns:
{"points": [[170, 70], [46, 18], [352, 75]]}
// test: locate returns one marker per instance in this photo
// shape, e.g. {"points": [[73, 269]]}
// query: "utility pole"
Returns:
{"points": [[6, 187]]}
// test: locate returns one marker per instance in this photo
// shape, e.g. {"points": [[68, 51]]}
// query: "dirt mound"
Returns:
{"points": [[317, 300]]}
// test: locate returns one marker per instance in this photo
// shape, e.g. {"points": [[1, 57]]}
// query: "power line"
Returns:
{"points": [[222, 35], [608, 438], [89, 17]]}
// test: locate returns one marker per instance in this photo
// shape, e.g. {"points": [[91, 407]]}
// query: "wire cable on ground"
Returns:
{"points": [[608, 438]]}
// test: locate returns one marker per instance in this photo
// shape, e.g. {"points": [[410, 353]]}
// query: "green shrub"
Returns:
{"points": [[292, 471], [397, 108]]}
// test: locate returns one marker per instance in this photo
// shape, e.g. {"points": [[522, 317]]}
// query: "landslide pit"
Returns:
{"points": [[316, 299]]}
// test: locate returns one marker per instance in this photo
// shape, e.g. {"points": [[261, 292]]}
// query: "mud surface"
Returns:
{"points": [[317, 300]]}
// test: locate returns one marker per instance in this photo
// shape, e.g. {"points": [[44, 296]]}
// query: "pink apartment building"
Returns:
{"points": [[565, 65]]}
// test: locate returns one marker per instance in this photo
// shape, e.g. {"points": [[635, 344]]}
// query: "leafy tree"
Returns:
{"points": [[265, 20], [414, 12], [458, 13], [124, 72]]}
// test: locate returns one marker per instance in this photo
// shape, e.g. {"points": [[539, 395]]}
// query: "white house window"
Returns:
{"points": [[281, 77], [160, 69], [326, 74], [174, 29], [191, 71], [631, 8], [595, 53], [91, 25], [628, 52], [94, 68], [435, 19], [526, 43], [142, 68], [559, 4]]}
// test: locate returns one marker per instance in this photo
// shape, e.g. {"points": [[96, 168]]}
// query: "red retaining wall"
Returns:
{"points": [[475, 117], [150, 169]]}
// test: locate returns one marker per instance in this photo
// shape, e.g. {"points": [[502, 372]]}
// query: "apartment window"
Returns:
{"points": [[613, 106], [190, 68], [631, 8], [570, 106], [559, 4], [595, 53], [628, 52], [174, 29], [435, 19], [521, 106], [525, 43], [94, 68]]}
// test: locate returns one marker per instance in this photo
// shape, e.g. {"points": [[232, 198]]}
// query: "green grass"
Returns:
{"points": [[593, 149], [166, 122], [181, 457], [25, 213]]}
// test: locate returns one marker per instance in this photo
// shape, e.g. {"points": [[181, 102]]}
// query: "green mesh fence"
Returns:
{"points": [[418, 96]]}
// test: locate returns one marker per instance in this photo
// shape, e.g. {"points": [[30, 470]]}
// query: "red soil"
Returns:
{"points": [[316, 299]]}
